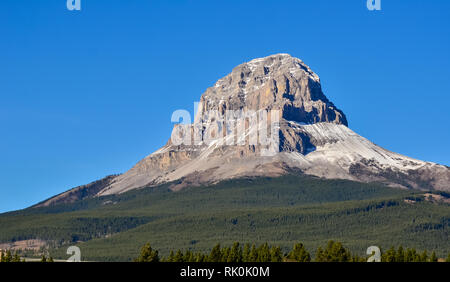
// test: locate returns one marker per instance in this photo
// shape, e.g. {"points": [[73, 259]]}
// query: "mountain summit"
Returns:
{"points": [[277, 96], [277, 82]]}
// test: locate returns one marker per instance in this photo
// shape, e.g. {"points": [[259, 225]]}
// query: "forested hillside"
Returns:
{"points": [[281, 211]]}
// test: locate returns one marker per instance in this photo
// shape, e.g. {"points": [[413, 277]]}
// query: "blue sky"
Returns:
{"points": [[85, 94]]}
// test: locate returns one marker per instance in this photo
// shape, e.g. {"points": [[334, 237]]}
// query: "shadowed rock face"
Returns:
{"points": [[312, 137]]}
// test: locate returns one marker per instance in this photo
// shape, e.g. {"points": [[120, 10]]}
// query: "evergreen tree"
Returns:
{"points": [[263, 253], [189, 256], [199, 257], [412, 256], [148, 254], [179, 257], [16, 257], [43, 258], [246, 253], [424, 256], [417, 258], [389, 255], [171, 257], [216, 254], [334, 252], [299, 253], [320, 255], [235, 254], [276, 254], [433, 257], [225, 254], [400, 255], [253, 256], [7, 257]]}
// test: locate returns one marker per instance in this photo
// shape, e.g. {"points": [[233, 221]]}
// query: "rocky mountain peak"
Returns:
{"points": [[279, 82], [308, 134]]}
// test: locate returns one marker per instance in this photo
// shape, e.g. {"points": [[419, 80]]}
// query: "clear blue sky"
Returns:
{"points": [[87, 94]]}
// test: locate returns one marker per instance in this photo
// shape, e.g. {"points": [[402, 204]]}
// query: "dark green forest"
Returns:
{"points": [[280, 211], [332, 252]]}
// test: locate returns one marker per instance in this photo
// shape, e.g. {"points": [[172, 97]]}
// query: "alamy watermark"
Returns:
{"points": [[75, 253], [371, 5], [375, 254], [73, 5], [228, 128], [374, 5]]}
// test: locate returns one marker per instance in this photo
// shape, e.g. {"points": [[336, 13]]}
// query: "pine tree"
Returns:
{"points": [[320, 255], [199, 257], [16, 257], [299, 253], [235, 254], [43, 258], [341, 253], [246, 253], [253, 256], [225, 254], [424, 256], [188, 256], [276, 254], [417, 258], [334, 252], [148, 254], [8, 256], [433, 257], [216, 254], [400, 255], [263, 253], [389, 255], [410, 255], [179, 257], [171, 257]]}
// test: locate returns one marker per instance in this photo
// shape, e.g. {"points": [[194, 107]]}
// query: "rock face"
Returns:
{"points": [[307, 134], [276, 82]]}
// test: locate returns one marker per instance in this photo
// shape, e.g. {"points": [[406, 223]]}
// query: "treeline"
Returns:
{"points": [[73, 229], [409, 255], [9, 257], [332, 252], [46, 259]]}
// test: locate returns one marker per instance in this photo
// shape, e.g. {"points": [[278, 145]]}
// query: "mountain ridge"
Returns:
{"points": [[308, 133], [279, 210]]}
